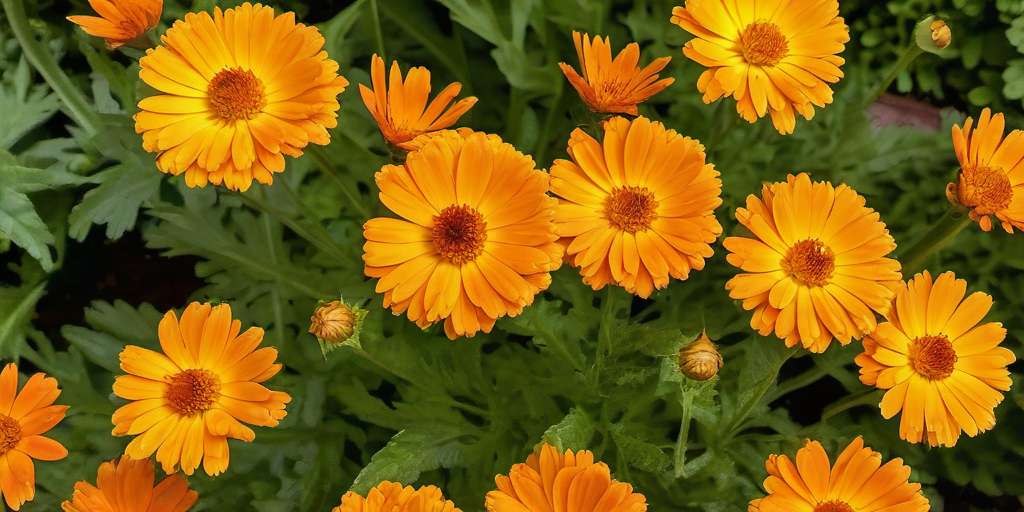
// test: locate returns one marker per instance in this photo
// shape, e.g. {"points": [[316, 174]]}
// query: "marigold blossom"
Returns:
{"points": [[127, 486], [393, 497], [120, 22]]}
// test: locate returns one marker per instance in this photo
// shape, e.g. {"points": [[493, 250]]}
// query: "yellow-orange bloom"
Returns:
{"points": [[187, 401], [127, 486], [815, 267], [938, 365], [552, 480], [637, 208], [991, 177], [238, 91], [857, 482], [120, 21], [613, 86], [401, 110], [476, 240], [24, 417], [774, 58], [393, 497]]}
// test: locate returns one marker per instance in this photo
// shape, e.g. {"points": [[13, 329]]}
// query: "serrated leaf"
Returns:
{"points": [[407, 455], [20, 223], [574, 431], [23, 105], [102, 349], [116, 202]]}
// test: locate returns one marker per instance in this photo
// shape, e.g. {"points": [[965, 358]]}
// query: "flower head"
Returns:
{"points": [[187, 401], [990, 181], [815, 265], [637, 208], [858, 481], [613, 86], [127, 486], [393, 497], [553, 480], [401, 110], [776, 61], [943, 369], [476, 238], [336, 323], [700, 359], [120, 21], [228, 113]]}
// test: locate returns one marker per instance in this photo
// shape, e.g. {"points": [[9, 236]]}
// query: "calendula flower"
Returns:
{"points": [[187, 401], [120, 21], [613, 86], [938, 365], [24, 417], [553, 480], [238, 92], [127, 486], [815, 265], [857, 482], [774, 59], [401, 110], [990, 182], [392, 497], [476, 238], [636, 209]]}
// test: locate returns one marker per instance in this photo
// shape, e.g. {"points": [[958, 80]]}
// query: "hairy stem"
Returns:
{"points": [[938, 236]]}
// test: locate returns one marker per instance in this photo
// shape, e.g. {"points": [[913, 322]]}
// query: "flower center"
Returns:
{"points": [[763, 44], [833, 506], [933, 357], [631, 209], [10, 433], [459, 233], [810, 262], [986, 189], [235, 94], [193, 391]]}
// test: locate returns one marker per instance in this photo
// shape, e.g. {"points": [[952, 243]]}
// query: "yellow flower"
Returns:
{"points": [[187, 401], [120, 21], [613, 86], [127, 486], [401, 111], [638, 208], [991, 178], [571, 482], [857, 482], [392, 497], [943, 370], [815, 267], [237, 92], [24, 417], [773, 59], [476, 238]]}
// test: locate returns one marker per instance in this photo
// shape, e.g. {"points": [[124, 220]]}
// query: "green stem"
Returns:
{"points": [[800, 381], [604, 336], [345, 185], [911, 53], [759, 394], [867, 397], [938, 236], [686, 402], [317, 235], [75, 103], [378, 34]]}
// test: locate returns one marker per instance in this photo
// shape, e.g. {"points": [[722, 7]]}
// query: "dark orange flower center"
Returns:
{"points": [[459, 233], [833, 506], [810, 262], [986, 189], [933, 357], [193, 391], [763, 44], [10, 433], [235, 94], [631, 209]]}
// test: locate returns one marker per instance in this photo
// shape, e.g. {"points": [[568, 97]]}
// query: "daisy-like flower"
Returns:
{"points": [[943, 369], [991, 178], [613, 86], [636, 209], [392, 497], [775, 58], [553, 480], [187, 401], [238, 91], [120, 22], [476, 239], [814, 266], [401, 110], [127, 486], [857, 482]]}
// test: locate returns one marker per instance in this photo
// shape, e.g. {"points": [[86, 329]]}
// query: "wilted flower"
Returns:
{"points": [[127, 486], [120, 22], [394, 497], [700, 359]]}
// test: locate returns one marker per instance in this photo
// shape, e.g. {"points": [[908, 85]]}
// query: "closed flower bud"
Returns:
{"points": [[335, 323], [700, 359], [941, 34]]}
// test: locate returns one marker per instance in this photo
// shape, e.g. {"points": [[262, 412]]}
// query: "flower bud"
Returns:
{"points": [[700, 359], [932, 35], [335, 323], [941, 34]]}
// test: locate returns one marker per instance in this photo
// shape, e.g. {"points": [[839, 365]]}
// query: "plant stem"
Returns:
{"points": [[870, 396], [604, 334], [377, 32], [800, 381], [320, 239], [346, 186], [911, 53], [686, 403], [759, 393], [938, 236]]}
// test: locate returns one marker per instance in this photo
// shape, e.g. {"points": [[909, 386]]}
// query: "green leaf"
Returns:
{"points": [[20, 223], [23, 105], [102, 349], [574, 431], [116, 202], [16, 308], [639, 453], [408, 454]]}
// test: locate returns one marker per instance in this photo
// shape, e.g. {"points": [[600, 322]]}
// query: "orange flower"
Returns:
{"points": [[24, 417], [392, 497], [127, 486], [401, 112], [120, 21], [613, 86]]}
